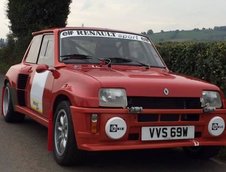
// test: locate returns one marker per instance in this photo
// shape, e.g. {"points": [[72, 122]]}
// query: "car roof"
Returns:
{"points": [[81, 28]]}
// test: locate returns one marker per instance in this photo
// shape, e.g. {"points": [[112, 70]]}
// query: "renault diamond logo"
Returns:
{"points": [[166, 91]]}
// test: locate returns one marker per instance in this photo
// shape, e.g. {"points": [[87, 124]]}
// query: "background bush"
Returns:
{"points": [[203, 60], [26, 17], [12, 53]]}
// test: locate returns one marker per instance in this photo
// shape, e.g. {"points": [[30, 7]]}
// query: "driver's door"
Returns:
{"points": [[40, 83]]}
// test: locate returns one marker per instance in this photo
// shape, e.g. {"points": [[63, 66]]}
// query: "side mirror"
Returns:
{"points": [[42, 68]]}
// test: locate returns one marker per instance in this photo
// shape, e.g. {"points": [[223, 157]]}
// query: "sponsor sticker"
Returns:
{"points": [[115, 128], [106, 34], [216, 126]]}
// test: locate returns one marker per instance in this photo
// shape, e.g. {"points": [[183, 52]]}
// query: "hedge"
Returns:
{"points": [[203, 60]]}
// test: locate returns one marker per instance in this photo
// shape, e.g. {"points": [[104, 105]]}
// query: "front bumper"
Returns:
{"points": [[99, 141]]}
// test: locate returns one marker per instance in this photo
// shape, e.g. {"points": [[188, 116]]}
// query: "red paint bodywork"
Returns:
{"points": [[80, 85]]}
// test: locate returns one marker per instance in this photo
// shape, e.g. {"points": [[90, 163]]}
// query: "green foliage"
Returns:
{"points": [[149, 32], [29, 16], [206, 61], [26, 17], [216, 34], [10, 54]]}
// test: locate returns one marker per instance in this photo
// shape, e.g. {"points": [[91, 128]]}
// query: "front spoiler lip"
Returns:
{"points": [[146, 111], [139, 146], [135, 145]]}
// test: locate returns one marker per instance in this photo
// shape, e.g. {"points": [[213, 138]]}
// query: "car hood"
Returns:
{"points": [[148, 82]]}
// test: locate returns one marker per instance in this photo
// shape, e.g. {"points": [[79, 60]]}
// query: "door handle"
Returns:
{"points": [[30, 70]]}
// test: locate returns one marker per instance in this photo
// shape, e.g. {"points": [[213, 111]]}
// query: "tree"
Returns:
{"points": [[150, 32], [33, 15], [196, 29], [143, 33], [29, 16], [2, 42], [220, 28]]}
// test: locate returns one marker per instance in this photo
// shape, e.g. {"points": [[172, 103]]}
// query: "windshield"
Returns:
{"points": [[89, 46]]}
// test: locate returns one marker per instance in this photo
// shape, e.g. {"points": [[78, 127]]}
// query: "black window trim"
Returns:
{"points": [[42, 35], [38, 51]]}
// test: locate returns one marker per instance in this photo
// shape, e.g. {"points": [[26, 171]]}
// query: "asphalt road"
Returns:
{"points": [[23, 148]]}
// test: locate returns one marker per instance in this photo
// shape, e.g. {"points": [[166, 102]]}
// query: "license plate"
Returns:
{"points": [[167, 133]]}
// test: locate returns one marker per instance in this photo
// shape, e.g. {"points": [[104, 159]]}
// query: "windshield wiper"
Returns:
{"points": [[119, 59], [75, 56], [142, 64], [109, 60]]}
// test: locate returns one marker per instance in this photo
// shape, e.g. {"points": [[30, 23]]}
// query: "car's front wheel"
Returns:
{"points": [[65, 147], [7, 107], [202, 152]]}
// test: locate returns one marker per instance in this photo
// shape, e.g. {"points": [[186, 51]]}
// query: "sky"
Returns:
{"points": [[139, 15]]}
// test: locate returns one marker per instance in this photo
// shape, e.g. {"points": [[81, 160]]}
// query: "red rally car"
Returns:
{"points": [[99, 89]]}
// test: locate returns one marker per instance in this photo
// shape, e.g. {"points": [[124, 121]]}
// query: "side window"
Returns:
{"points": [[46, 55], [34, 49]]}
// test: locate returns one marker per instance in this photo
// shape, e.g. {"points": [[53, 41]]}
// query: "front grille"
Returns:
{"points": [[164, 103], [133, 136], [167, 117]]}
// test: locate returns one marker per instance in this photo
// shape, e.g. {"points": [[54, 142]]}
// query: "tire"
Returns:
{"points": [[65, 148], [7, 107], [202, 152]]}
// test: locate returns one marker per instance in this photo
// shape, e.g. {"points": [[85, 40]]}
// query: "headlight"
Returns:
{"points": [[112, 97], [211, 99]]}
